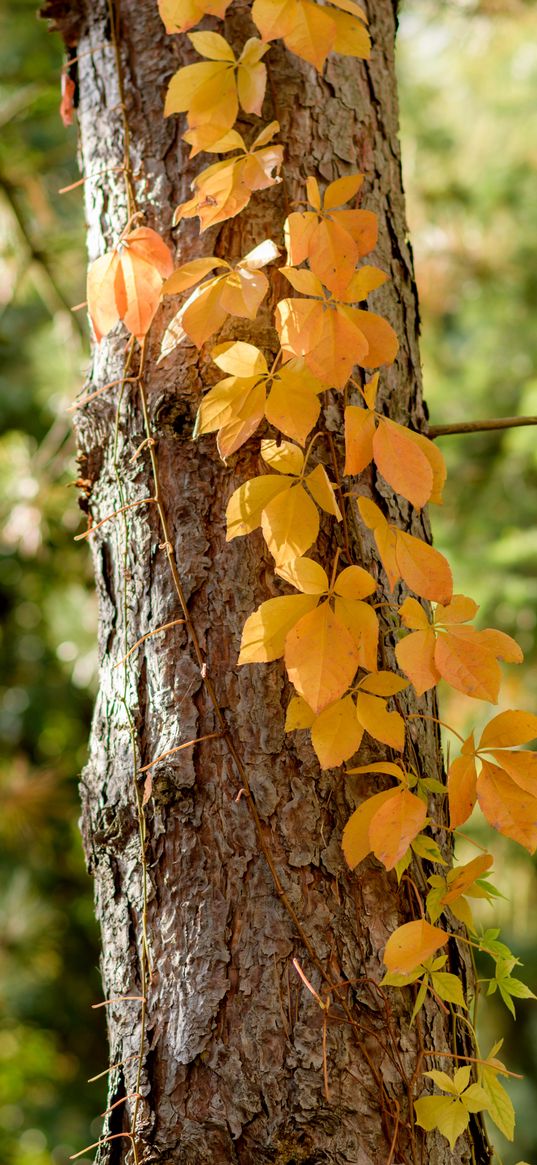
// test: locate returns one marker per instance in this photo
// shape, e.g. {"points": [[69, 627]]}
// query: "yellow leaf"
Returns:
{"points": [[411, 944], [395, 825], [362, 283], [354, 583], [382, 766], [290, 524], [509, 729], [212, 45], [362, 623], [299, 715], [342, 190], [202, 313], [247, 503], [388, 727], [252, 76], [352, 39], [383, 683], [314, 194], [292, 404], [413, 615], [304, 574], [242, 292], [190, 273], [297, 229], [500, 1106], [274, 18], [239, 359], [462, 779], [321, 657], [359, 433], [322, 490], [180, 15], [445, 1113], [265, 631], [402, 463], [355, 840], [284, 457], [226, 401], [459, 610], [312, 34], [336, 734], [303, 281], [265, 253], [415, 656], [191, 88], [509, 809]]}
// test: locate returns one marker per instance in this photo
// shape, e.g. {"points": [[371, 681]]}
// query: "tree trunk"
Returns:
{"points": [[234, 1047]]}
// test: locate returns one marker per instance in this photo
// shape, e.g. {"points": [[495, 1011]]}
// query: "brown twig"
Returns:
{"points": [[480, 426]]}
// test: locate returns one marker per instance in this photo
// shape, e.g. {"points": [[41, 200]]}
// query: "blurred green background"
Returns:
{"points": [[468, 78]]}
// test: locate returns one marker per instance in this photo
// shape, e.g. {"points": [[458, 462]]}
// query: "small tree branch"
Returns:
{"points": [[480, 426]]}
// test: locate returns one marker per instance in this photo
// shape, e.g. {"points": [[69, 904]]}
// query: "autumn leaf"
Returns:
{"points": [[332, 240], [500, 1106], [224, 189], [411, 944], [321, 657], [126, 283], [237, 291], [395, 825], [311, 31], [287, 396], [506, 789], [331, 335], [423, 568], [180, 15], [443, 649], [265, 631], [211, 91], [288, 517]]}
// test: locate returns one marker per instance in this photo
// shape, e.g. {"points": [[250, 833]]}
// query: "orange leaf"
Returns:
{"points": [[373, 715], [395, 825], [321, 657], [509, 729], [413, 615], [459, 610], [354, 583], [102, 307], [359, 433], [402, 463], [355, 840], [415, 656], [411, 944], [423, 568], [509, 809], [459, 880], [464, 661], [521, 767], [382, 342], [462, 778], [224, 189]]}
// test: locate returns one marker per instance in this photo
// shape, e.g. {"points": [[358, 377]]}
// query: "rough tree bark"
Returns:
{"points": [[232, 1065]]}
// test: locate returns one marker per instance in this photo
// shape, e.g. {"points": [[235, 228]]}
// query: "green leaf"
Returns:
{"points": [[427, 848], [500, 1106], [449, 988], [420, 999]]}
